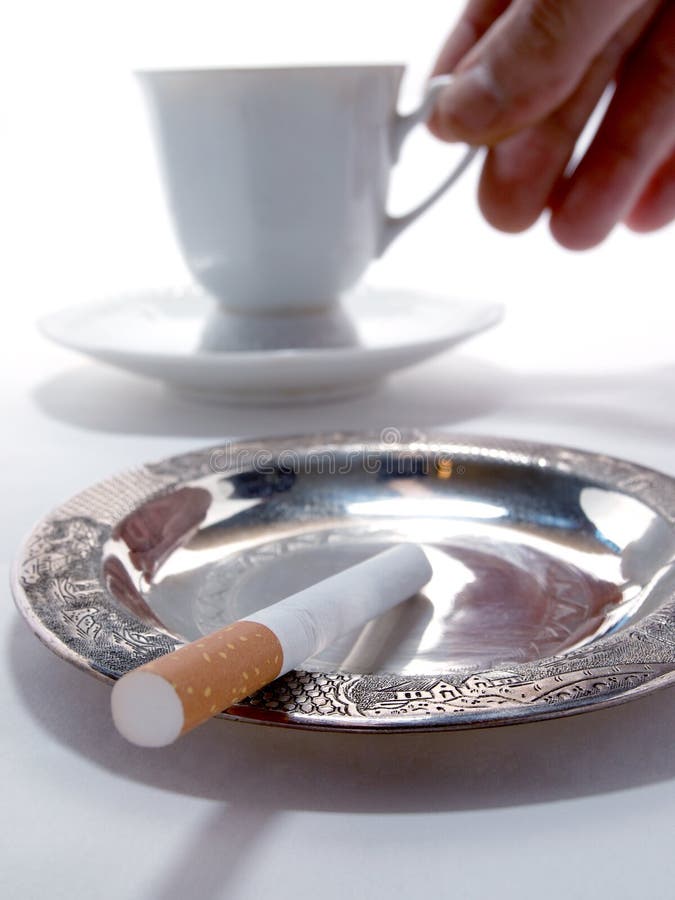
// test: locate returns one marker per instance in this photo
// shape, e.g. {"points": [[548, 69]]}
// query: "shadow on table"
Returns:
{"points": [[445, 392], [280, 769], [98, 398], [625, 403]]}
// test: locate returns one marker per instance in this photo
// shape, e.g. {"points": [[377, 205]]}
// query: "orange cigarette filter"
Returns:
{"points": [[220, 669]]}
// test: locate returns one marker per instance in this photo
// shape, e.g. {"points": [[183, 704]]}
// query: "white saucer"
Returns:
{"points": [[160, 333]]}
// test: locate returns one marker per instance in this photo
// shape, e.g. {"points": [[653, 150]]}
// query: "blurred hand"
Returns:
{"points": [[529, 74]]}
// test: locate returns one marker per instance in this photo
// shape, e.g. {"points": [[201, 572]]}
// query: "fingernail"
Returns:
{"points": [[469, 106]]}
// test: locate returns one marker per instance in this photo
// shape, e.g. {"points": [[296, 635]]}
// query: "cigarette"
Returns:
{"points": [[161, 700]]}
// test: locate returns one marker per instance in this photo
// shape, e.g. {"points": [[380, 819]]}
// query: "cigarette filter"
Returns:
{"points": [[161, 700]]}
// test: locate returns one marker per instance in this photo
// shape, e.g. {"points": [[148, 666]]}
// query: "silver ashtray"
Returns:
{"points": [[553, 589]]}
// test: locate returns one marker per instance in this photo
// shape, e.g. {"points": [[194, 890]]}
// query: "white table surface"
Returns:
{"points": [[239, 811]]}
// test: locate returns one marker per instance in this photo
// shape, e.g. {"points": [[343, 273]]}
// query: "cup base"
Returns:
{"points": [[228, 331]]}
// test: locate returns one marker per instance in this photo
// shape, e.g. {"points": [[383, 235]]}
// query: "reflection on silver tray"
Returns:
{"points": [[553, 588]]}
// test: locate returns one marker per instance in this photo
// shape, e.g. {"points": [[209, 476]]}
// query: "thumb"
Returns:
{"points": [[527, 64]]}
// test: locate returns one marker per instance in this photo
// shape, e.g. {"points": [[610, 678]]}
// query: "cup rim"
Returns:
{"points": [[277, 70]]}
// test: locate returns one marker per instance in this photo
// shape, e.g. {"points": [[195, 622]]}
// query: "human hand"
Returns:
{"points": [[529, 74]]}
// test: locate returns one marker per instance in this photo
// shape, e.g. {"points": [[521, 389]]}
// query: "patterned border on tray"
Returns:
{"points": [[59, 589]]}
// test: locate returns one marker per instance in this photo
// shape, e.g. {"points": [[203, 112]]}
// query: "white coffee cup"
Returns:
{"points": [[277, 179]]}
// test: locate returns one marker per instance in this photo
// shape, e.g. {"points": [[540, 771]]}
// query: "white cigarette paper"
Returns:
{"points": [[159, 701]]}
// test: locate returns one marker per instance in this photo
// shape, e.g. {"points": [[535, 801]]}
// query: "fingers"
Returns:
{"points": [[528, 63], [521, 172], [634, 140], [477, 17], [656, 206]]}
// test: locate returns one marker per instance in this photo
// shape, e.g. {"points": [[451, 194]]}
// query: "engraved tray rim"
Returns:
{"points": [[59, 564]]}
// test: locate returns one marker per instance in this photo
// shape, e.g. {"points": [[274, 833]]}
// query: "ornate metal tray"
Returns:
{"points": [[553, 589]]}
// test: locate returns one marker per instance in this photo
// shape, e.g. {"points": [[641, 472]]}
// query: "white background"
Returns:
{"points": [[585, 357]]}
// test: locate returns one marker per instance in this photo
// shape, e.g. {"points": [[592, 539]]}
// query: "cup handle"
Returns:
{"points": [[403, 125]]}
